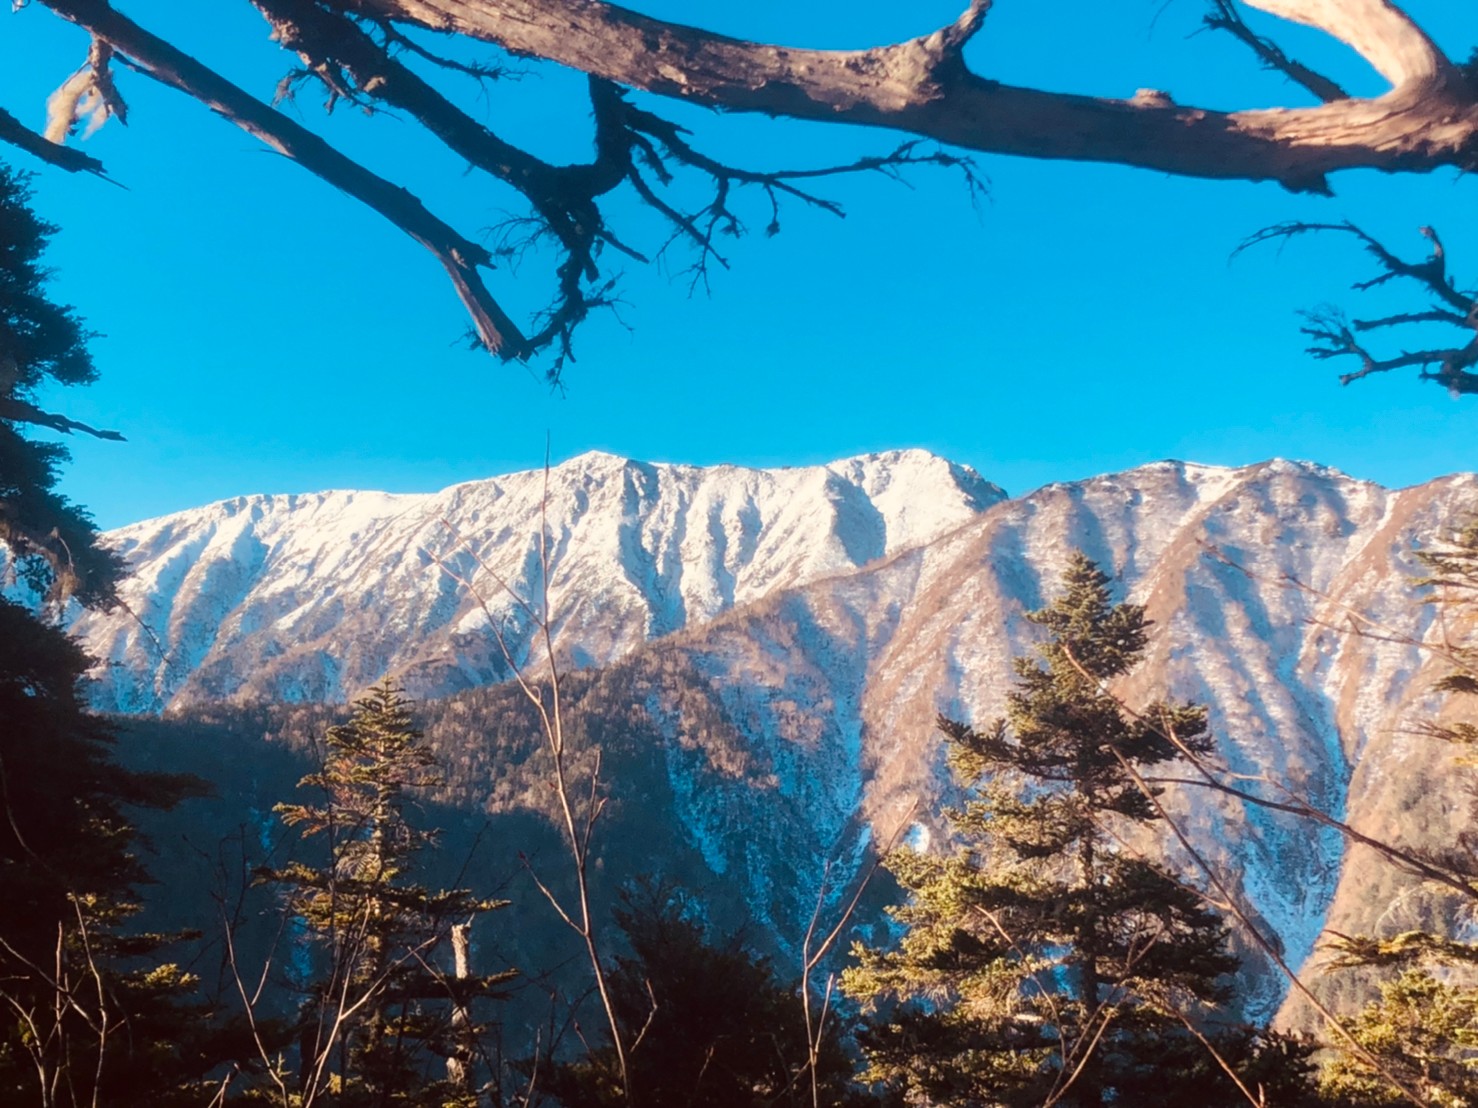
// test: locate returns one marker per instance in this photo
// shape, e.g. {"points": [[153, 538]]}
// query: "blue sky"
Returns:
{"points": [[262, 333]]}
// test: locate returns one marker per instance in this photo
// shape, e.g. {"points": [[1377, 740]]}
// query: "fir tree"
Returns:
{"points": [[382, 1014], [1044, 959]]}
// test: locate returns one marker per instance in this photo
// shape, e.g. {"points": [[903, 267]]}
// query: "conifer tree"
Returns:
{"points": [[51, 543], [384, 1013], [90, 1013], [1044, 960]]}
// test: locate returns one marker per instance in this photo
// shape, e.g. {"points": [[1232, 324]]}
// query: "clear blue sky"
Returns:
{"points": [[263, 333]]}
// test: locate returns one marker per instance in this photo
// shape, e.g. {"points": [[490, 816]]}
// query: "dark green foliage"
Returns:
{"points": [[70, 875], [51, 542], [387, 1011], [1047, 958], [93, 1015], [710, 1023]]}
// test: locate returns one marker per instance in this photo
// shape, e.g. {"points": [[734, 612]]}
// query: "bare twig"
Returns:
{"points": [[578, 827], [1335, 337], [1224, 16]]}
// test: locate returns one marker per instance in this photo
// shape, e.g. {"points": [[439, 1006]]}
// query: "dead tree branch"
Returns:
{"points": [[20, 411], [1334, 336], [16, 133], [921, 87], [460, 257], [1225, 16]]}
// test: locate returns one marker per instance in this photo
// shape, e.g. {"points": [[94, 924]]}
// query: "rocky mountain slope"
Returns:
{"points": [[817, 620], [314, 597], [835, 685]]}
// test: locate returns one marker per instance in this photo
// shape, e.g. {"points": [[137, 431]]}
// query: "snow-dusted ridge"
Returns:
{"points": [[314, 596], [832, 611], [835, 684]]}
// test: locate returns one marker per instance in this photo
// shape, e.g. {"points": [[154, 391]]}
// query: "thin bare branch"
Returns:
{"points": [[16, 133], [1225, 16], [1334, 337]]}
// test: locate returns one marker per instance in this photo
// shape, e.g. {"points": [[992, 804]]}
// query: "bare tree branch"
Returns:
{"points": [[20, 411], [165, 63], [16, 133], [1224, 16], [922, 86], [1335, 337]]}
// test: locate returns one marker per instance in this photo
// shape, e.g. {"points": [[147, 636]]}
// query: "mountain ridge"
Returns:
{"points": [[816, 648], [296, 588]]}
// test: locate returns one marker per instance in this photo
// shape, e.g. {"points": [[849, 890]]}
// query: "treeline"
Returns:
{"points": [[1048, 958]]}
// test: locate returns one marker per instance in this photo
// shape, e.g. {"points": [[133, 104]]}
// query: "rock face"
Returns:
{"points": [[315, 597], [828, 614]]}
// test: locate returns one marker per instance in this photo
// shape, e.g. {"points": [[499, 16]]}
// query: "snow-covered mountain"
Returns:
{"points": [[1252, 577], [790, 635], [314, 597]]}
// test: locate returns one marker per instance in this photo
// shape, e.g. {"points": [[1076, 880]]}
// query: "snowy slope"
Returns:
{"points": [[317, 596], [835, 685], [829, 613]]}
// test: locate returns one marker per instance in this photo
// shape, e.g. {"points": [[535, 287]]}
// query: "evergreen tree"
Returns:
{"points": [[93, 1015], [90, 1009], [1421, 1031], [52, 543], [1043, 958], [382, 1014]]}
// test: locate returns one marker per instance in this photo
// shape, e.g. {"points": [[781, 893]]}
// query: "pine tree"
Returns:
{"points": [[382, 1014], [1045, 958]]}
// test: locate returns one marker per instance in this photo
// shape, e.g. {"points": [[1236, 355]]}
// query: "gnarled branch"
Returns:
{"points": [[921, 87], [632, 146], [165, 63], [1336, 337]]}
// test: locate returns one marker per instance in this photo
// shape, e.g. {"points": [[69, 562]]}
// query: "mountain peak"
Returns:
{"points": [[314, 596]]}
